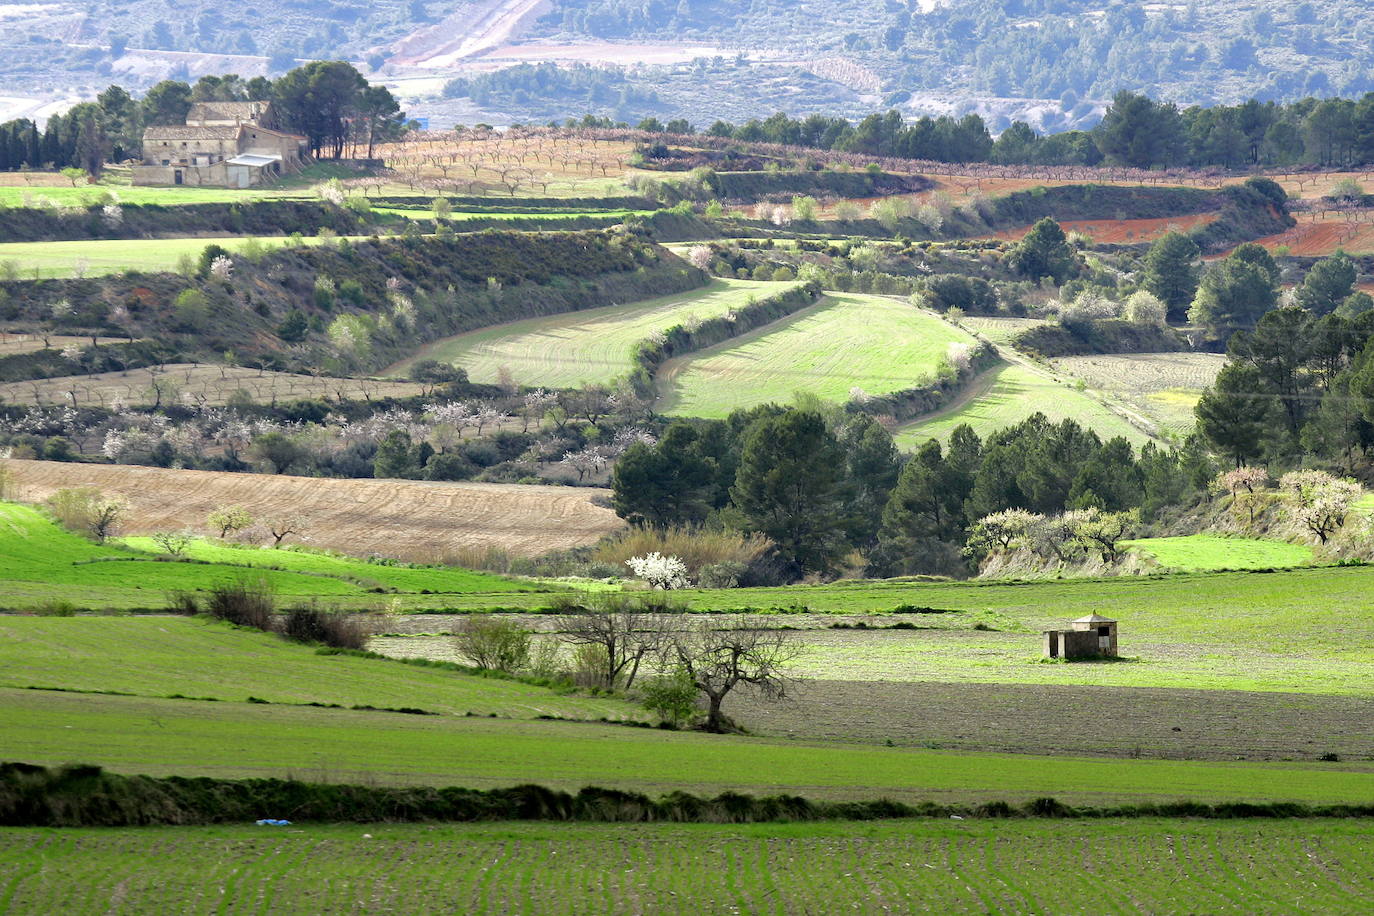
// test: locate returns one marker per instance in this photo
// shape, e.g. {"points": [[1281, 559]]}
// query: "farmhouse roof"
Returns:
{"points": [[182, 132], [1094, 618]]}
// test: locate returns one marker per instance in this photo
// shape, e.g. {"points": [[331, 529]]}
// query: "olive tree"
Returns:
{"points": [[719, 659]]}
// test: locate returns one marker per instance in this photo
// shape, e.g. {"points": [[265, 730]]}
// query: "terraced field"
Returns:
{"points": [[1007, 394], [166, 656], [188, 737], [1164, 387], [413, 520], [96, 257], [847, 341], [17, 344], [592, 346], [194, 383], [939, 866]]}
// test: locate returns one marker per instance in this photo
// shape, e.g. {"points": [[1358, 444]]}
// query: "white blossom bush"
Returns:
{"points": [[960, 355], [221, 268], [112, 214], [659, 571], [699, 257]]}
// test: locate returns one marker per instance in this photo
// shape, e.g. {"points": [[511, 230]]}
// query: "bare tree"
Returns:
{"points": [[283, 525], [622, 633], [720, 659]]}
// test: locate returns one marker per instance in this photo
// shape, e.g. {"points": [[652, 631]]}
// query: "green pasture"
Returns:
{"points": [[41, 561], [225, 739], [403, 578], [1111, 866], [86, 195], [161, 656], [847, 341], [1006, 395], [1208, 551], [577, 348], [97, 257]]}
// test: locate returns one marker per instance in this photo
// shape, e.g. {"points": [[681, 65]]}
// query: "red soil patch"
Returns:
{"points": [[1315, 237], [1122, 231]]}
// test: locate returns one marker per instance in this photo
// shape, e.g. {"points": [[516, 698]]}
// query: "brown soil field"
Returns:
{"points": [[1044, 719], [16, 344], [196, 384], [1124, 231], [1316, 236], [413, 520]]}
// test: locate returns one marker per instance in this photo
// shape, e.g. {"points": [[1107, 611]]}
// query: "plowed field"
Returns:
{"points": [[407, 519]]}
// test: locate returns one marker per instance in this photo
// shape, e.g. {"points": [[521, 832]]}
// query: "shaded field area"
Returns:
{"points": [[848, 341], [182, 737], [406, 519], [1178, 724], [578, 348], [940, 866], [1011, 393], [1164, 387], [178, 383], [16, 344], [158, 657], [1208, 551]]}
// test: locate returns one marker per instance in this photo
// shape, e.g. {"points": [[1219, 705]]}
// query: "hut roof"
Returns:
{"points": [[1094, 618]]}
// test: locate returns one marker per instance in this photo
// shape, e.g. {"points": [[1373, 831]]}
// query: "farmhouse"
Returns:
{"points": [[1087, 637], [221, 145]]}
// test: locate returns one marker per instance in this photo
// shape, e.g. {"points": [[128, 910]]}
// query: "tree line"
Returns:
{"points": [[1136, 131], [830, 490], [327, 102]]}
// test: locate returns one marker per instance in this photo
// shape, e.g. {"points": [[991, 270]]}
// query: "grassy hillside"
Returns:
{"points": [[1204, 552], [1008, 394], [591, 346], [162, 656], [950, 867], [847, 341]]}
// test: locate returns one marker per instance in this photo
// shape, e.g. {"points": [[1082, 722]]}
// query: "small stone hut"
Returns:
{"points": [[1093, 636]]}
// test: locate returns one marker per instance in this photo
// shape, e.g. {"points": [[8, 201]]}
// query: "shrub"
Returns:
{"points": [[174, 542], [333, 628], [243, 604], [492, 644], [660, 571], [672, 698], [88, 511]]}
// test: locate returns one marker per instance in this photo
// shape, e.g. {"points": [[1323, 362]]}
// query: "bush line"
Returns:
{"points": [[81, 795]]}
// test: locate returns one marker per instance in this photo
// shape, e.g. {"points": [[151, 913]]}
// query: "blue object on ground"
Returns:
{"points": [[273, 822]]}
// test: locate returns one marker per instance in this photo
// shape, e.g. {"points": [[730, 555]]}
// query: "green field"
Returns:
{"points": [[1113, 866], [161, 656], [89, 195], [226, 739], [97, 257], [1209, 551], [38, 558], [576, 348], [1006, 395], [401, 578], [848, 340]]}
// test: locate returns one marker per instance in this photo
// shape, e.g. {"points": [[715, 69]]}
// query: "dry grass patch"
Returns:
{"points": [[418, 521], [1165, 387]]}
